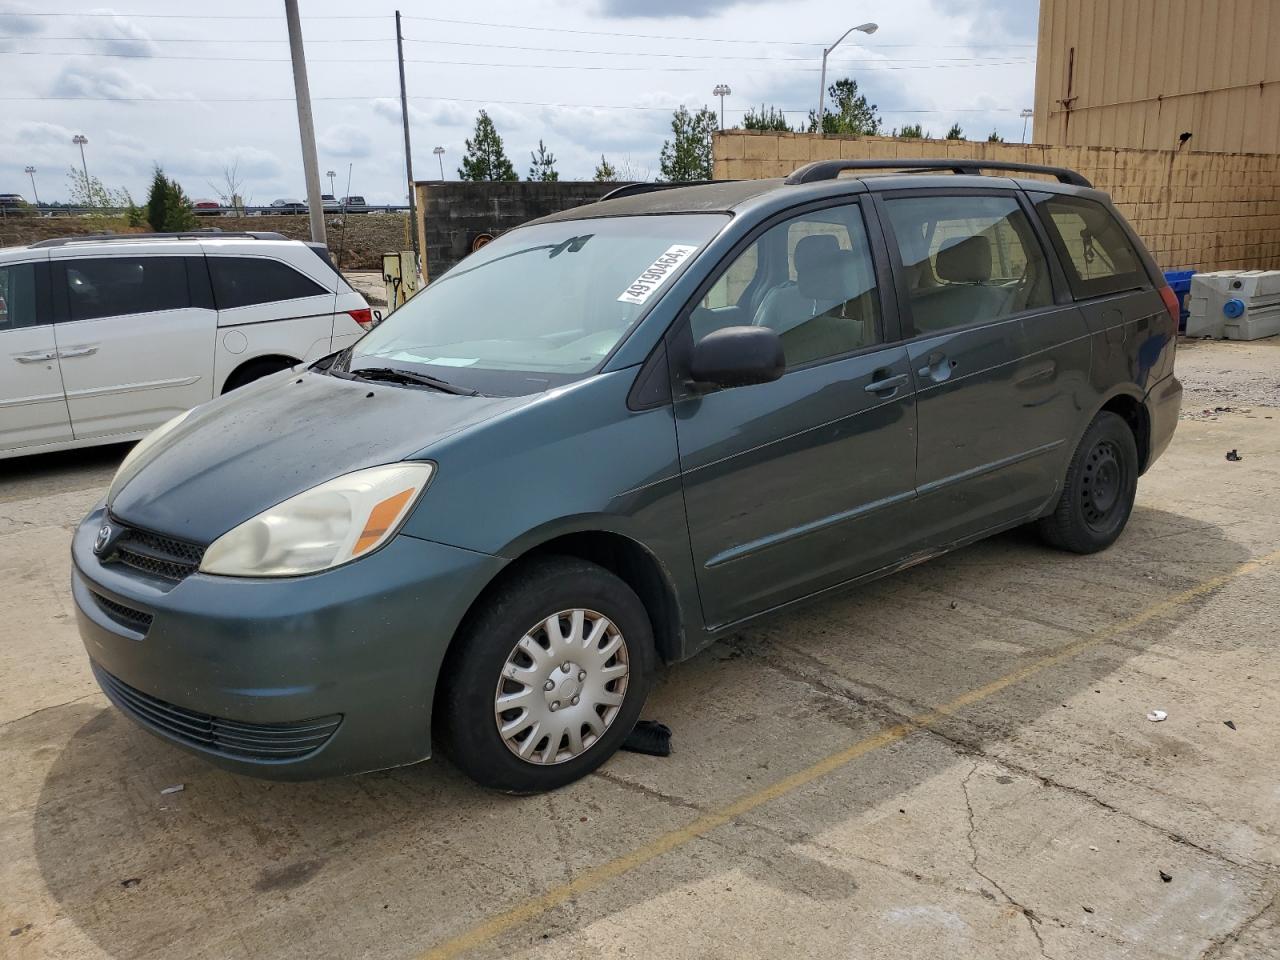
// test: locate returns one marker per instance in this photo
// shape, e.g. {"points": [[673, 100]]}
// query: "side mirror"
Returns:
{"points": [[737, 357]]}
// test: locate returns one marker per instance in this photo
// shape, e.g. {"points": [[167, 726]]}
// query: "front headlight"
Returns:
{"points": [[125, 472], [340, 520]]}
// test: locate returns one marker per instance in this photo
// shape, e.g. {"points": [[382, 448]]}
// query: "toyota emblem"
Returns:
{"points": [[104, 537]]}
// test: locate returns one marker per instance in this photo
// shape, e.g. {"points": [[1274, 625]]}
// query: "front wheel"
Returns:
{"points": [[546, 681], [1098, 493]]}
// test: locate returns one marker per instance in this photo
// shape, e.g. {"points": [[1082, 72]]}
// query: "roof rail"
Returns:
{"points": [[830, 169], [633, 189], [205, 234]]}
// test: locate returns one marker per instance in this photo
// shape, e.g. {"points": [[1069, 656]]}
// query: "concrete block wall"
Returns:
{"points": [[1195, 211], [451, 214]]}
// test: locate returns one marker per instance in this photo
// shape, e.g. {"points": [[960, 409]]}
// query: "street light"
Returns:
{"points": [[1026, 115], [722, 90], [31, 172], [80, 140], [439, 152], [867, 28], [330, 174]]}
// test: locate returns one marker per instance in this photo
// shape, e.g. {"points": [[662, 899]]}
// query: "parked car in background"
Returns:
{"points": [[354, 205], [104, 338], [330, 203], [206, 208], [13, 203], [612, 436], [288, 206]]}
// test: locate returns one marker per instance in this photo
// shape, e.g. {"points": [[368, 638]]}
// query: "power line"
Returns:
{"points": [[863, 66]]}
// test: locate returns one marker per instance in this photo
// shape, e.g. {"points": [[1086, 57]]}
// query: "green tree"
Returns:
{"points": [[485, 158], [605, 172], [543, 166], [168, 209], [995, 137], [688, 156], [955, 133], [912, 131], [767, 118], [849, 113], [90, 192]]}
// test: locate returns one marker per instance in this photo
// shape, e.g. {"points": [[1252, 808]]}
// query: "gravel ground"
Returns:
{"points": [[1228, 374]]}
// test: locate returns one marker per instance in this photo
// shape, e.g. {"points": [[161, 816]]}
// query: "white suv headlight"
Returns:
{"points": [[338, 521]]}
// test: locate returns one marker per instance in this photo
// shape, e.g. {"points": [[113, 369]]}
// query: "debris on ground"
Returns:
{"points": [[1086, 909], [1233, 456], [1155, 716], [130, 882], [176, 788], [1229, 723], [649, 737], [1166, 877], [955, 604]]}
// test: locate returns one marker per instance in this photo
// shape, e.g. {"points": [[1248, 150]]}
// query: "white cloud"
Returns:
{"points": [[91, 80], [116, 35], [345, 141]]}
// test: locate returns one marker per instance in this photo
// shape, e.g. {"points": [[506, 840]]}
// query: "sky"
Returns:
{"points": [[195, 94]]}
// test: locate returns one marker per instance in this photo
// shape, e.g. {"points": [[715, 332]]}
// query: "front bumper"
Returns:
{"points": [[293, 678]]}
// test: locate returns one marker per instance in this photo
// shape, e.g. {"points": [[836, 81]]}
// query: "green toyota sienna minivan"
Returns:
{"points": [[611, 436]]}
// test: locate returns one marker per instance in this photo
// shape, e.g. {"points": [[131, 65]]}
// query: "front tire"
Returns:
{"points": [[1098, 493], [543, 684]]}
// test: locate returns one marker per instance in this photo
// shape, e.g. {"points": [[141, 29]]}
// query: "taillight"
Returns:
{"points": [[363, 317], [1170, 303]]}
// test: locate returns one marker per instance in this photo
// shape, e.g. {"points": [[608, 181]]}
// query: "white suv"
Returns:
{"points": [[104, 338]]}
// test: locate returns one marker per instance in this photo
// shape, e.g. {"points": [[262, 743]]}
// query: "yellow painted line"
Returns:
{"points": [[597, 876]]}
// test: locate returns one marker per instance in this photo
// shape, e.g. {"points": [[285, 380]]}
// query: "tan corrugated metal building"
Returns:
{"points": [[1139, 73]]}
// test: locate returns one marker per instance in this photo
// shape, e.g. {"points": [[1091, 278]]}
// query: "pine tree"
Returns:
{"points": [[485, 158], [605, 172], [852, 115], [767, 118], [912, 131], [955, 133], [168, 209], [543, 165], [156, 200], [995, 137], [688, 157]]}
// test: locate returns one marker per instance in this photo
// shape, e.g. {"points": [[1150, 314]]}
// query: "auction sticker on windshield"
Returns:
{"points": [[656, 274]]}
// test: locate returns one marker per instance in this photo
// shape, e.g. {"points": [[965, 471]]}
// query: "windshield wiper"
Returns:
{"points": [[396, 375]]}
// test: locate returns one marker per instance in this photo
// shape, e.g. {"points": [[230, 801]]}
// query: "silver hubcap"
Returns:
{"points": [[561, 687]]}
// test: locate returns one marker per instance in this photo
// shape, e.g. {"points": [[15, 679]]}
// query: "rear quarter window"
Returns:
{"points": [[244, 281], [1095, 251]]}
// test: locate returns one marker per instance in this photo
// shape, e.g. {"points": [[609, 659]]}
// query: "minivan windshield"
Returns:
{"points": [[540, 306]]}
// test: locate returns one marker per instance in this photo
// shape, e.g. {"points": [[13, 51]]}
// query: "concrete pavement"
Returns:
{"points": [[952, 762]]}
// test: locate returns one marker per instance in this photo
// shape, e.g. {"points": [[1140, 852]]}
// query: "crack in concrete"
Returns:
{"points": [[52, 706], [1219, 944], [1031, 918], [650, 792]]}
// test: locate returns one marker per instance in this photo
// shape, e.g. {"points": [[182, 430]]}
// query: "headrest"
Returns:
{"points": [[965, 261], [823, 270]]}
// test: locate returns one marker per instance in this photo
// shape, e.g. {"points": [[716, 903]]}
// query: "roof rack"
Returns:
{"points": [[205, 234], [634, 189], [830, 169]]}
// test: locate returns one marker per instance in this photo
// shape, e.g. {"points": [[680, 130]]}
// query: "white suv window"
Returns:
{"points": [[243, 281], [117, 286]]}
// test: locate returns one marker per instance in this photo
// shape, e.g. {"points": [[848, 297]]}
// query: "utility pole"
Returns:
{"points": [[331, 174], [31, 172], [306, 126], [408, 153], [722, 90], [868, 29], [1026, 115], [439, 152], [80, 140]]}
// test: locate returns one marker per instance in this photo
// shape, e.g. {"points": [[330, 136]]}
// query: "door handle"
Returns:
{"points": [[936, 368], [888, 385], [77, 352], [35, 357]]}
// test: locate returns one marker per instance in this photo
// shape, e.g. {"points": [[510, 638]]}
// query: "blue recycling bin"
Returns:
{"points": [[1180, 283]]}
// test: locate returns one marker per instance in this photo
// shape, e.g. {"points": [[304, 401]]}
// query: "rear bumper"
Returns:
{"points": [[1163, 403], [289, 679]]}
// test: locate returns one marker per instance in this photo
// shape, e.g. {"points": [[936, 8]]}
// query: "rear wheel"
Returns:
{"points": [[256, 369], [545, 682], [1098, 493]]}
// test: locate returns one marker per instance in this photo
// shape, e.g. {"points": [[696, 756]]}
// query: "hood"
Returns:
{"points": [[237, 456]]}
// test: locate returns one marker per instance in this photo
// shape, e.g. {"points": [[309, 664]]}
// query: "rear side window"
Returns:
{"points": [[1095, 251], [118, 286], [967, 259], [17, 296], [244, 281]]}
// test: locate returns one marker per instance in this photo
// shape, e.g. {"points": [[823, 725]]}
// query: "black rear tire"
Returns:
{"points": [[255, 370], [478, 663], [1098, 493]]}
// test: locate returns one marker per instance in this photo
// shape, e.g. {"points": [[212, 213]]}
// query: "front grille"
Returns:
{"points": [[230, 738], [163, 557], [124, 615]]}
